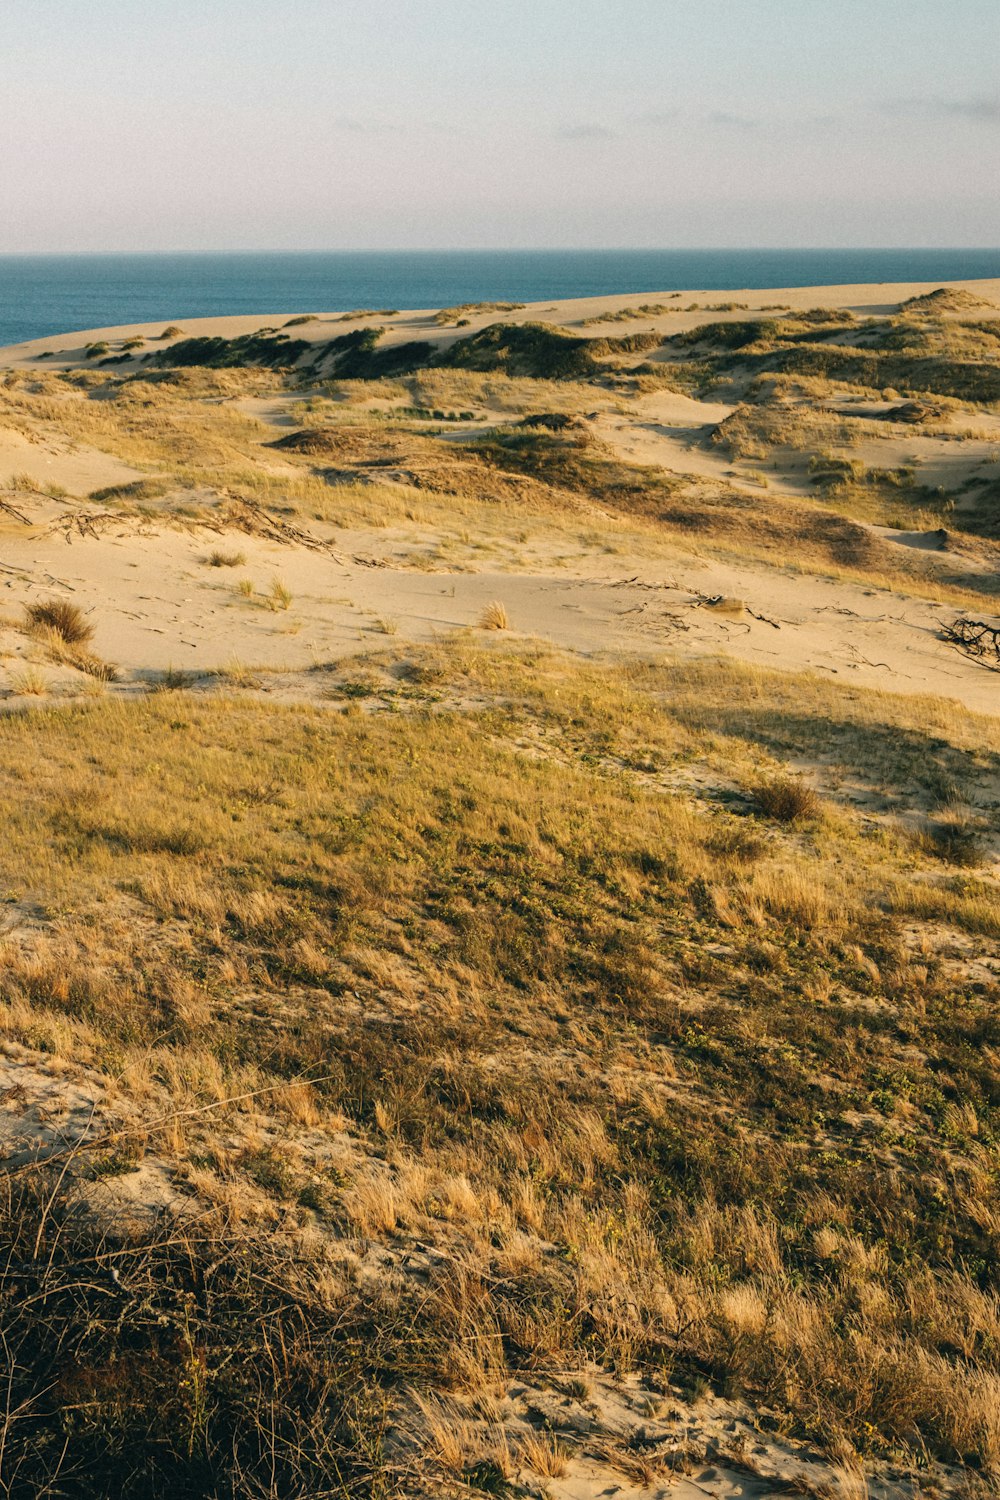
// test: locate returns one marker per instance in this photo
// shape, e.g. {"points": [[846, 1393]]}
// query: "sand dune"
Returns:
{"points": [[714, 600], [577, 315], [155, 603]]}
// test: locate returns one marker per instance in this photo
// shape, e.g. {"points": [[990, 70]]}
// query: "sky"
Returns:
{"points": [[431, 124]]}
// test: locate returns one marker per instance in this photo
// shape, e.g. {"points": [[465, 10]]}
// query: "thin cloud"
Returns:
{"points": [[353, 125], [586, 133], [733, 122], [655, 118], [981, 108]]}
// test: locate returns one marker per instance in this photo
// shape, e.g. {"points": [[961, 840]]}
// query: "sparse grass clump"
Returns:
{"points": [[279, 595], [494, 617], [366, 312], [134, 492], [29, 683], [220, 558], [173, 680], [465, 310], [955, 839], [786, 799], [25, 483], [544, 1455], [64, 618], [237, 673], [629, 314], [57, 649]]}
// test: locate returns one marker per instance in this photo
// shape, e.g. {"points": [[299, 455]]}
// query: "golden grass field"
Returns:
{"points": [[499, 923]]}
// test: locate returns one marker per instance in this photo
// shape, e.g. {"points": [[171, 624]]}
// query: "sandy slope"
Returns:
{"points": [[156, 604], [55, 462]]}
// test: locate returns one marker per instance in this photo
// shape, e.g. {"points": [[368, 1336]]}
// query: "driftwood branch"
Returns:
{"points": [[976, 638], [11, 510]]}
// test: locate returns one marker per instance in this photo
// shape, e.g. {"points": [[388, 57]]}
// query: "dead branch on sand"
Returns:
{"points": [[975, 637]]}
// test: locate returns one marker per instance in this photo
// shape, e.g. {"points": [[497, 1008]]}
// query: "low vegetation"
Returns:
{"points": [[465, 311], [494, 617], [62, 617], [786, 799], [669, 1085], [271, 350], [628, 314]]}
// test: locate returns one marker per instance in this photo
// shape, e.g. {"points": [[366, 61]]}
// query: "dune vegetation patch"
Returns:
{"points": [[667, 1096], [273, 351], [63, 617]]}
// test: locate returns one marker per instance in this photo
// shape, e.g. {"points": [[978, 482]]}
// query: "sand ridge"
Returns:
{"points": [[586, 315]]}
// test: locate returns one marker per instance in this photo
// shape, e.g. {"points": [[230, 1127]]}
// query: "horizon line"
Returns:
{"points": [[534, 250]]}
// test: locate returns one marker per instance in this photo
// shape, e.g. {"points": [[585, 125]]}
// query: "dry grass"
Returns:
{"points": [[29, 683], [629, 314], [58, 650], [466, 310], [956, 838], [544, 1455], [63, 618], [201, 445], [498, 1016], [494, 617], [603, 1046], [279, 595], [786, 799]]}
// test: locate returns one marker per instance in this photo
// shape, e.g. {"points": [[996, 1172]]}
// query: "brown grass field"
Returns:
{"points": [[469, 1060]]}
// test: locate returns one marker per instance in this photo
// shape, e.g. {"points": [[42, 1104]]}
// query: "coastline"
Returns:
{"points": [[573, 314]]}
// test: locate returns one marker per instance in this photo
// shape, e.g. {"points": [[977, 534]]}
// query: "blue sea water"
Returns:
{"points": [[50, 294]]}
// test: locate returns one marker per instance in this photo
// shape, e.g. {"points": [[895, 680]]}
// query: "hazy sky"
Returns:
{"points": [[314, 124]]}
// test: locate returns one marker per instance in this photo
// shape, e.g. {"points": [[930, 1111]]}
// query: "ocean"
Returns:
{"points": [[50, 294]]}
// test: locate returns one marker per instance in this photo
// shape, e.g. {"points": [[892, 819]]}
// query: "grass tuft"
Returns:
{"points": [[786, 799], [494, 617], [279, 595], [955, 839], [62, 617], [29, 683]]}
